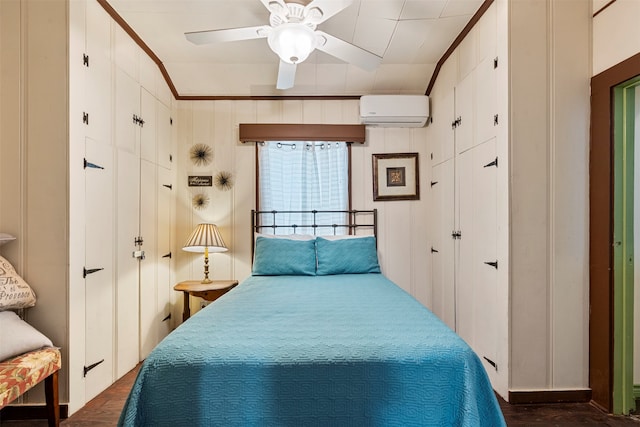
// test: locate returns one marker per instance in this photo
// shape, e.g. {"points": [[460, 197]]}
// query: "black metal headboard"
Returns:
{"points": [[311, 221], [275, 222]]}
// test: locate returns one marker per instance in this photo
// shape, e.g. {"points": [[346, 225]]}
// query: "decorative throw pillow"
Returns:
{"points": [[15, 293], [347, 256], [18, 337], [277, 257]]}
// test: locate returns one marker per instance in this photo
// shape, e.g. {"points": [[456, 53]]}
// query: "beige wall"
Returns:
{"points": [[33, 157], [616, 33], [549, 113], [403, 246]]}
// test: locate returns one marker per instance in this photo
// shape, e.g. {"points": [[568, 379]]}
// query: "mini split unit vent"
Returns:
{"points": [[394, 110]]}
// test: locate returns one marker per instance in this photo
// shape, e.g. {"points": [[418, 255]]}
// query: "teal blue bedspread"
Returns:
{"points": [[347, 350]]}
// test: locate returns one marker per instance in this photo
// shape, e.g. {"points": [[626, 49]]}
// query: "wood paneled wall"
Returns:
{"points": [[33, 159]]}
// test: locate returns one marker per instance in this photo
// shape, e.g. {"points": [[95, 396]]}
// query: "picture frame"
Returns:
{"points": [[396, 177]]}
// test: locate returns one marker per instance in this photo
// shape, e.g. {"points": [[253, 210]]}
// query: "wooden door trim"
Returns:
{"points": [[601, 229]]}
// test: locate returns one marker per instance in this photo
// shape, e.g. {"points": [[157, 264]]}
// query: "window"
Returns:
{"points": [[304, 176], [301, 135]]}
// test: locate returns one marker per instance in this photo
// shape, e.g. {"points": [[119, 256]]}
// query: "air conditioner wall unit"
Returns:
{"points": [[394, 110]]}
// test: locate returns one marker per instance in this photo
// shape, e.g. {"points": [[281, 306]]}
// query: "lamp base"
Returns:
{"points": [[206, 280]]}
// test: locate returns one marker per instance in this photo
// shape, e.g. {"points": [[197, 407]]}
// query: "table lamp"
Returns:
{"points": [[205, 238]]}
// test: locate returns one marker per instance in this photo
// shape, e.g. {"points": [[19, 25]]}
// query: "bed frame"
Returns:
{"points": [[357, 220]]}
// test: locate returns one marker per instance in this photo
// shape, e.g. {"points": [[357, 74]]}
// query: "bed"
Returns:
{"points": [[336, 348]]}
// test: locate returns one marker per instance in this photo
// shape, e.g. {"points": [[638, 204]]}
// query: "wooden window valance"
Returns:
{"points": [[298, 132]]}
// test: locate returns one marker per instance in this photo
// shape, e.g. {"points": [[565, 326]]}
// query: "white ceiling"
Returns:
{"points": [[410, 35]]}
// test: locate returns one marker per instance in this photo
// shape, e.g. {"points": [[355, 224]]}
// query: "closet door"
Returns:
{"points": [[443, 133], [477, 264], [98, 270], [485, 261], [486, 101], [127, 103], [128, 324], [164, 133], [442, 251], [464, 113], [148, 131], [148, 279], [464, 280], [165, 289], [97, 66]]}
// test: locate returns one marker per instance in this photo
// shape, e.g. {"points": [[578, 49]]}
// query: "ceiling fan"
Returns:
{"points": [[292, 35]]}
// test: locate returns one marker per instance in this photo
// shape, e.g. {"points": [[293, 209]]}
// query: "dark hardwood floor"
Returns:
{"points": [[105, 409]]}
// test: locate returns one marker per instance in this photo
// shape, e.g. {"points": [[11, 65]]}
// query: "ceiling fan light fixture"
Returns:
{"points": [[292, 42]]}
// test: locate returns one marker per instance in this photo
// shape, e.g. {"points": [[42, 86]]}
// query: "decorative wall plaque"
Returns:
{"points": [[200, 181]]}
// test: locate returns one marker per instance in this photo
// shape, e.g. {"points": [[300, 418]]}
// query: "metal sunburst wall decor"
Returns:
{"points": [[201, 154], [224, 181], [200, 201]]}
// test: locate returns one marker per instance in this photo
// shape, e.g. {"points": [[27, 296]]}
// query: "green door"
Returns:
{"points": [[623, 247]]}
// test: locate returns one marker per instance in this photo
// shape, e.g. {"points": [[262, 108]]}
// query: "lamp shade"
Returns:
{"points": [[292, 42], [205, 236]]}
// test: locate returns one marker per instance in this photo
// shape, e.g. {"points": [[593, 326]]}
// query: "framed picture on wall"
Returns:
{"points": [[396, 177]]}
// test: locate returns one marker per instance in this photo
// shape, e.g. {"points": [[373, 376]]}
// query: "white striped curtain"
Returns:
{"points": [[304, 176]]}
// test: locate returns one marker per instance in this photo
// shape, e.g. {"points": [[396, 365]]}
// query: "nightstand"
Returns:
{"points": [[208, 291]]}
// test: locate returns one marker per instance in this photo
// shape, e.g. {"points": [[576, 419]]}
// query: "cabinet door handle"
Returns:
{"points": [[88, 271]]}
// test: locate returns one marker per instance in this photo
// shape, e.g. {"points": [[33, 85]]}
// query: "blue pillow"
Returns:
{"points": [[278, 257], [347, 256]]}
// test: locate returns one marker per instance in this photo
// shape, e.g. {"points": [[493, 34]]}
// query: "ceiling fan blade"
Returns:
{"points": [[232, 34], [320, 10], [275, 6], [347, 52], [286, 75]]}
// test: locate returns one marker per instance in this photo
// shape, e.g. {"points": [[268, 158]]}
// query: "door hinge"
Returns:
{"points": [[493, 264], [138, 120], [491, 362], [167, 255], [495, 62], [457, 122], [493, 163], [171, 121], [137, 241], [433, 183], [90, 367], [88, 164], [434, 251], [167, 317], [170, 158], [431, 156], [87, 271], [456, 234], [495, 120], [85, 118], [85, 59]]}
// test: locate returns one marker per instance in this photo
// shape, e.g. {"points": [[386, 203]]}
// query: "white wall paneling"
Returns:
{"points": [[52, 53], [522, 213]]}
